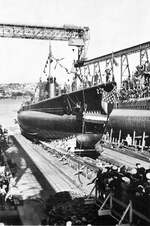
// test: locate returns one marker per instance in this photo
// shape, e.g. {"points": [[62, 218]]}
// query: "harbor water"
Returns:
{"points": [[8, 113]]}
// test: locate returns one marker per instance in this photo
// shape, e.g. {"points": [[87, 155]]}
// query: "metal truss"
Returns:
{"points": [[109, 69], [76, 36], [97, 74], [134, 49], [144, 56], [64, 33], [125, 70], [110, 61]]}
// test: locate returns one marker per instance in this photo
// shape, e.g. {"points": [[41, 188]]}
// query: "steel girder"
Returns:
{"points": [[63, 33]]}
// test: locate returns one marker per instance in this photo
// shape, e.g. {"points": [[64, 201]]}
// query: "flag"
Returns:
{"points": [[110, 97], [49, 58], [99, 90]]}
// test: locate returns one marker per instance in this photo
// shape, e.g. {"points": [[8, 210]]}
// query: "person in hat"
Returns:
{"points": [[141, 175], [125, 186], [147, 194], [134, 182], [138, 200], [140, 190]]}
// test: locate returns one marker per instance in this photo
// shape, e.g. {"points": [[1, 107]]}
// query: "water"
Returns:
{"points": [[8, 113]]}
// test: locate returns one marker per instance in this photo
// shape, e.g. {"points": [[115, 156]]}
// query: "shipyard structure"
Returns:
{"points": [[82, 156]]}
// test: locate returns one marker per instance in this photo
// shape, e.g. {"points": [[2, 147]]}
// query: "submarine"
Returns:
{"points": [[132, 117], [62, 116]]}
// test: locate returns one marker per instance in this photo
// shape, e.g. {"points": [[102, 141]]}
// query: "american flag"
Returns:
{"points": [[110, 97]]}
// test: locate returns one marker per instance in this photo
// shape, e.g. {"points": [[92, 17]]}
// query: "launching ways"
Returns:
{"points": [[54, 165]]}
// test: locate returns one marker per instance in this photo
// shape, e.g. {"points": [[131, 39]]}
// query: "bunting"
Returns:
{"points": [[48, 60], [110, 97], [46, 64]]}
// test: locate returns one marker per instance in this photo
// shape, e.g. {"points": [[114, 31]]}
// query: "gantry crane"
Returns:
{"points": [[75, 35]]}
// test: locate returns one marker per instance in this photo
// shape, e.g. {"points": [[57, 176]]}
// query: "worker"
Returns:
{"points": [[98, 182], [129, 140], [147, 194], [107, 137]]}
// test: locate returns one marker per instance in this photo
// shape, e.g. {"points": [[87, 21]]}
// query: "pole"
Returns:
{"points": [[133, 141], [119, 139], [130, 213], [121, 64], [143, 141], [110, 140], [111, 201], [49, 74]]}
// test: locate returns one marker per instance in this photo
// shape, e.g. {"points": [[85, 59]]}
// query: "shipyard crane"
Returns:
{"points": [[75, 35], [86, 67]]}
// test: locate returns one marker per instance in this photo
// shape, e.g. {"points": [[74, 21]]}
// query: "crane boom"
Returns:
{"points": [[64, 33]]}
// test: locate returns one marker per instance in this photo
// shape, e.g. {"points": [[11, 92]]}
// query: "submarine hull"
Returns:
{"points": [[46, 125], [62, 115], [130, 120]]}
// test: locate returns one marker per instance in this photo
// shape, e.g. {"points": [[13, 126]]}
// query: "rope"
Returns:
{"points": [[71, 99], [83, 130]]}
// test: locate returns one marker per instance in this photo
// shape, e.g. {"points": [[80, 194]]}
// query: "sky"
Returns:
{"points": [[114, 24]]}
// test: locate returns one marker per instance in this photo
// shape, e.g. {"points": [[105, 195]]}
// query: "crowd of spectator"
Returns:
{"points": [[6, 177], [125, 184], [138, 86], [132, 94]]}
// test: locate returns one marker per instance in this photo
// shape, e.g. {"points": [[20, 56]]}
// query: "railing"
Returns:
{"points": [[123, 213]]}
